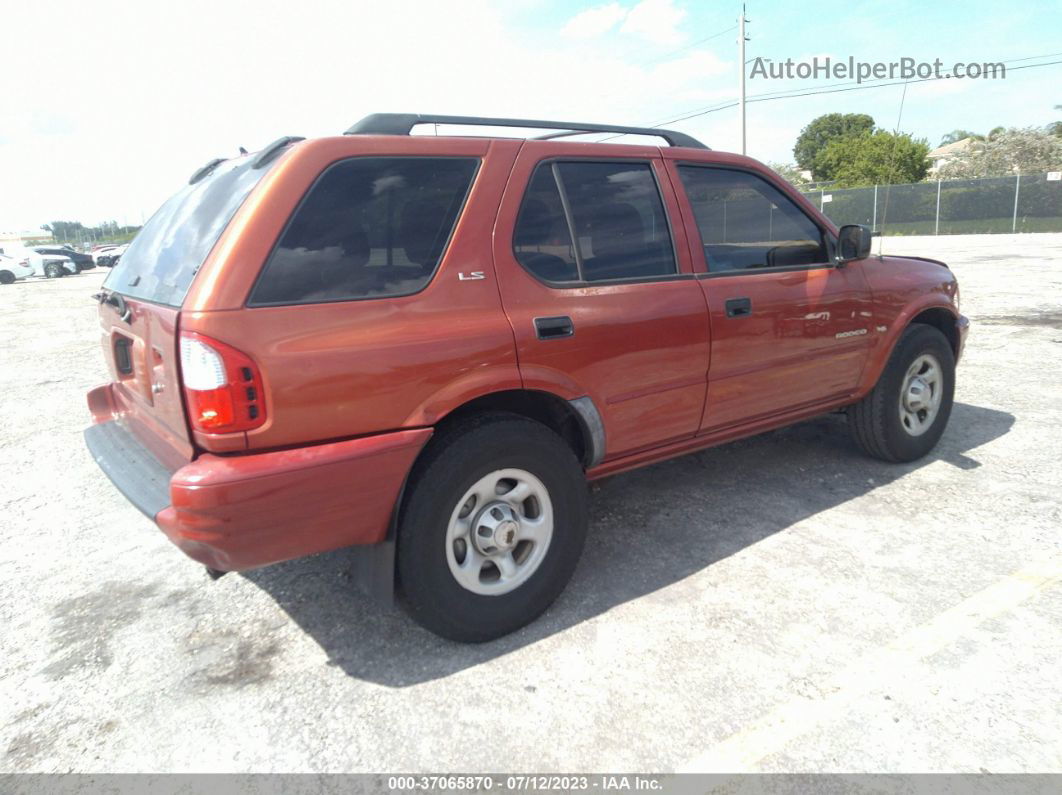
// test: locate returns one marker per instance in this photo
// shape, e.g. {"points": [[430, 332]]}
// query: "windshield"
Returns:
{"points": [[163, 258]]}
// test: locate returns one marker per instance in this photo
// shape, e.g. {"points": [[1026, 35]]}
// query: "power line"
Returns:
{"points": [[689, 46], [770, 96], [824, 89]]}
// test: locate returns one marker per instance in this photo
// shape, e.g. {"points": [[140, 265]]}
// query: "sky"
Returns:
{"points": [[107, 107]]}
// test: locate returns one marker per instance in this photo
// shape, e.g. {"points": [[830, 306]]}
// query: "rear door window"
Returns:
{"points": [[369, 227], [163, 258], [594, 221]]}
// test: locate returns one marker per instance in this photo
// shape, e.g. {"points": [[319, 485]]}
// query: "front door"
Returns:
{"points": [[789, 329], [601, 296]]}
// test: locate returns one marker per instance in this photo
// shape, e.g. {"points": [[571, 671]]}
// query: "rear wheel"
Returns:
{"points": [[7, 277], [492, 527], [905, 414]]}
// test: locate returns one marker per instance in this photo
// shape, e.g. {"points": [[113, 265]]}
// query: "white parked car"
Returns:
{"points": [[12, 269], [100, 255], [109, 257], [50, 266]]}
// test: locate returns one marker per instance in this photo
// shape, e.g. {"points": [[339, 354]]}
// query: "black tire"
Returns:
{"points": [[875, 422], [7, 277], [454, 461], [53, 271]]}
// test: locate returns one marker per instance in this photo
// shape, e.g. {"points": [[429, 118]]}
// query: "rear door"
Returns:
{"points": [[789, 329], [142, 298], [600, 292]]}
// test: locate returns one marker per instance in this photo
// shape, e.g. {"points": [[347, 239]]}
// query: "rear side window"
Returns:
{"points": [[163, 258], [369, 227], [543, 242], [615, 227], [745, 222]]}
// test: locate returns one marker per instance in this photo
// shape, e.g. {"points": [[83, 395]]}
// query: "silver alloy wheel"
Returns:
{"points": [[920, 396], [499, 532]]}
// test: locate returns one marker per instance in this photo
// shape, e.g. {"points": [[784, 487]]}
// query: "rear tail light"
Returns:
{"points": [[222, 386]]}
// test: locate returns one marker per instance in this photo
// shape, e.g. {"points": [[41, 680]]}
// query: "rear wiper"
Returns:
{"points": [[198, 175]]}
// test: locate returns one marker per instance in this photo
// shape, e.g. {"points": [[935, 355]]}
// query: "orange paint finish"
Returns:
{"points": [[640, 349], [238, 512], [335, 370], [351, 389]]}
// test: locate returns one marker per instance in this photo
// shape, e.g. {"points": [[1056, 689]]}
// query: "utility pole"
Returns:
{"points": [[742, 38]]}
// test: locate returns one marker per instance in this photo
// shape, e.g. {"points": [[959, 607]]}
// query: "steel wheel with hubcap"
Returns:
{"points": [[499, 532], [921, 394], [492, 527], [906, 412]]}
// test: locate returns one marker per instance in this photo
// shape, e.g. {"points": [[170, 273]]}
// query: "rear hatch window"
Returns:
{"points": [[163, 258]]}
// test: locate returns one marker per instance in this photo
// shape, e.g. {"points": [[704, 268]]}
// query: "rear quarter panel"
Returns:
{"points": [[336, 370]]}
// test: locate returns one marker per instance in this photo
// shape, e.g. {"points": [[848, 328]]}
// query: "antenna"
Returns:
{"points": [[892, 170], [742, 38]]}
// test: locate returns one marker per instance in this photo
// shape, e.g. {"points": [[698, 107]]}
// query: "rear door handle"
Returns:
{"points": [[552, 328], [738, 307]]}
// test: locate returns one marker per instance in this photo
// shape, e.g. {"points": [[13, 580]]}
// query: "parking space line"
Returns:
{"points": [[743, 750]]}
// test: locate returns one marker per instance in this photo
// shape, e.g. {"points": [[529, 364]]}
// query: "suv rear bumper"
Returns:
{"points": [[241, 512]]}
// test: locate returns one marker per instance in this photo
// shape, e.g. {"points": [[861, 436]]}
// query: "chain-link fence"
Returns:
{"points": [[1030, 203]]}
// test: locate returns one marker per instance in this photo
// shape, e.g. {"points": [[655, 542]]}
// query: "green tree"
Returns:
{"points": [[958, 135], [877, 158], [1055, 127], [64, 231], [790, 172], [1013, 151], [814, 138]]}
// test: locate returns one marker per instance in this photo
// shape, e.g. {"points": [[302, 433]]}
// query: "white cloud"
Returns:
{"points": [[594, 21], [655, 20], [175, 95]]}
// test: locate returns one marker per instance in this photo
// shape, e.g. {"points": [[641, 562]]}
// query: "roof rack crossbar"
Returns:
{"points": [[403, 123]]}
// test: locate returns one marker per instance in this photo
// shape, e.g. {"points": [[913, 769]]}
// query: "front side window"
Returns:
{"points": [[614, 227], [745, 222], [369, 227]]}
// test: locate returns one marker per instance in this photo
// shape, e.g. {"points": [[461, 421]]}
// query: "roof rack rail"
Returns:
{"points": [[403, 123], [202, 172], [274, 149]]}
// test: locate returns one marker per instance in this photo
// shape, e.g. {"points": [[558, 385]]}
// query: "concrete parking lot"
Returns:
{"points": [[778, 604]]}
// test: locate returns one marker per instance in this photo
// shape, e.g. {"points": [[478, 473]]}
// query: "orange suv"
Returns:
{"points": [[425, 346]]}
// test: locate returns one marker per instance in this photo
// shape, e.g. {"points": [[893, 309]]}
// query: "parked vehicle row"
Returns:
{"points": [[83, 262], [43, 264], [424, 346]]}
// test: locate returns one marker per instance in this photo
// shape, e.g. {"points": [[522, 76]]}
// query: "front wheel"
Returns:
{"points": [[53, 271], [905, 414], [492, 527]]}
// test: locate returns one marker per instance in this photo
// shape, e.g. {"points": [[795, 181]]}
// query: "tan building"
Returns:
{"points": [[25, 237], [949, 153]]}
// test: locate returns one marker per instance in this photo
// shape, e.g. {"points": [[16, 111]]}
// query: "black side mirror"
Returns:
{"points": [[853, 242]]}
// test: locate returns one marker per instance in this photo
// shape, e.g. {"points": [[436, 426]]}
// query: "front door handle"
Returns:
{"points": [[553, 328], [738, 307]]}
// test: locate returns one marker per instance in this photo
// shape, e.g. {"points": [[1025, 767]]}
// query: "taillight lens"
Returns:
{"points": [[222, 386]]}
